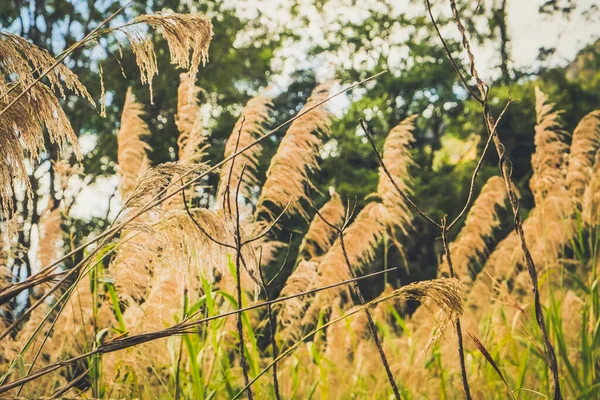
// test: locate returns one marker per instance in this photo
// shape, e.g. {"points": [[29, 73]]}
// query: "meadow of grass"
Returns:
{"points": [[174, 300]]}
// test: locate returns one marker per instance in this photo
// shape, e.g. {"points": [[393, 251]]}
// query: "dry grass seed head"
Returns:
{"points": [[591, 196], [191, 140], [50, 233], [296, 159], [22, 136], [471, 243], [248, 127], [156, 179], [360, 241], [290, 312], [184, 33], [549, 160], [398, 160], [584, 147], [320, 235], [23, 62], [132, 149]]}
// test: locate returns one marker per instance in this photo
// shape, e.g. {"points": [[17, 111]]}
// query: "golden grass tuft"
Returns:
{"points": [[549, 160], [584, 147], [50, 233], [191, 140], [23, 62], [288, 176], [248, 127], [22, 136], [471, 243], [398, 160], [320, 235], [184, 33], [591, 196], [131, 155], [360, 239], [289, 314]]}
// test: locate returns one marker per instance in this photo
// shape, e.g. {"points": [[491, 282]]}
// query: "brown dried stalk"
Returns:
{"points": [[490, 359], [238, 277]]}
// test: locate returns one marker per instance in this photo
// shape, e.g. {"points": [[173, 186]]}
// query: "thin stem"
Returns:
{"points": [[391, 178], [238, 277], [478, 167], [450, 57], [227, 194], [272, 330], [461, 352]]}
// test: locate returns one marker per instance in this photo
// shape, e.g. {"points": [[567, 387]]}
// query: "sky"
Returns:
{"points": [[528, 30]]}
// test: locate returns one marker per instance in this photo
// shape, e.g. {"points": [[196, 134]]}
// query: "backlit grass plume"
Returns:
{"points": [[320, 235], [288, 176], [482, 219], [28, 107], [290, 313], [23, 62], [22, 135], [50, 233], [191, 140], [184, 33], [584, 147], [398, 160], [131, 156], [549, 160], [248, 127], [591, 197], [360, 242]]}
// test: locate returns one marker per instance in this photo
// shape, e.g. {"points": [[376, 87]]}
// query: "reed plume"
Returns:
{"points": [[398, 160], [24, 120], [23, 62], [131, 155], [50, 233], [191, 140], [22, 136], [471, 243], [289, 314], [248, 127], [320, 235], [360, 239], [184, 33], [591, 196], [549, 160], [584, 147], [289, 173], [363, 235]]}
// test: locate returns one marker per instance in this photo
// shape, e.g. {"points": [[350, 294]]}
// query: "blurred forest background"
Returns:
{"points": [[288, 46]]}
